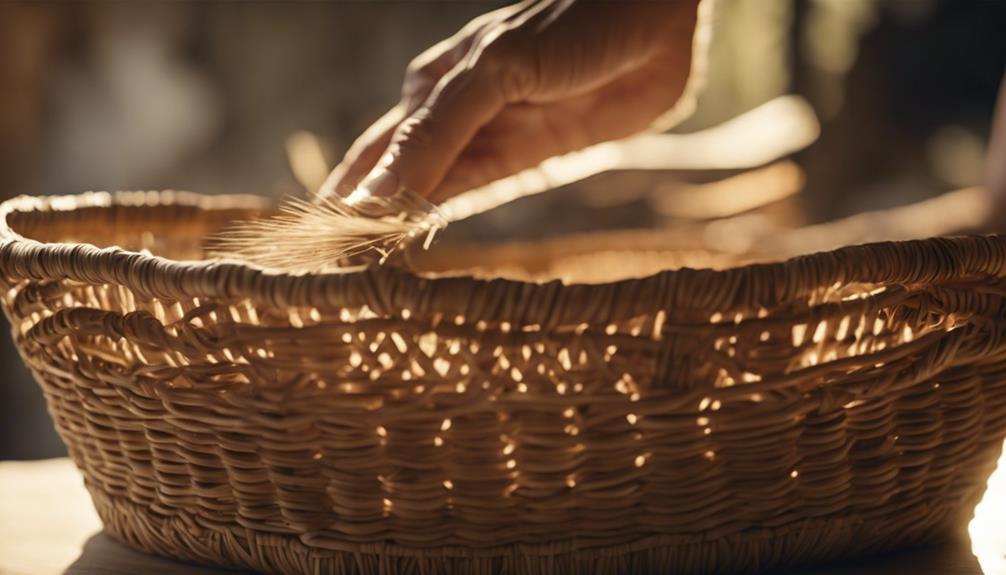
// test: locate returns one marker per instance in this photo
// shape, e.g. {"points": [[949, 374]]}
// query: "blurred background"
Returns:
{"points": [[233, 97]]}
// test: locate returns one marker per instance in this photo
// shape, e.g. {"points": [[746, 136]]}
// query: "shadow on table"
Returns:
{"points": [[103, 555], [949, 558]]}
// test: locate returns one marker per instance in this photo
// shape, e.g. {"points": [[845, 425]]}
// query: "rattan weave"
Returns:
{"points": [[385, 421]]}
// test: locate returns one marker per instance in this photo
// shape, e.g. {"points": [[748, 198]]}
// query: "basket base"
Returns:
{"points": [[810, 541]]}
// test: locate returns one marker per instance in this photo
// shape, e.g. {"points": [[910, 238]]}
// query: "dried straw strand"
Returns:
{"points": [[330, 232]]}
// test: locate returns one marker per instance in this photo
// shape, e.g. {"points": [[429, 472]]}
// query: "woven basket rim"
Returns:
{"points": [[387, 289]]}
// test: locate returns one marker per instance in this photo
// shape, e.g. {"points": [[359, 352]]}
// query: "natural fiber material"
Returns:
{"points": [[383, 421], [328, 232]]}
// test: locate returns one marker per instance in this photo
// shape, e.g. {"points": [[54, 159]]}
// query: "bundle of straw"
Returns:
{"points": [[331, 232]]}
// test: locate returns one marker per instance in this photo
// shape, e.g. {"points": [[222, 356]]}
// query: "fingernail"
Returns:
{"points": [[381, 182]]}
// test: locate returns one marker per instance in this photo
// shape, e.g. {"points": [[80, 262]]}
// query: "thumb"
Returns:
{"points": [[427, 142]]}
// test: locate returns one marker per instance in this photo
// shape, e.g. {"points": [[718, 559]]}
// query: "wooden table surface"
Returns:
{"points": [[47, 525]]}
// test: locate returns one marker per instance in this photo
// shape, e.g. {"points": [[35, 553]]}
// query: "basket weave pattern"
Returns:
{"points": [[381, 421]]}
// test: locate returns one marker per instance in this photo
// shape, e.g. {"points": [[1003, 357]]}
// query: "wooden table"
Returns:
{"points": [[47, 525]]}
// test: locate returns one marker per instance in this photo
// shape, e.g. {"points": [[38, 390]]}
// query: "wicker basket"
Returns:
{"points": [[383, 421]]}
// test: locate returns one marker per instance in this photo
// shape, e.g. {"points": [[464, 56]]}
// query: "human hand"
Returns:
{"points": [[520, 85]]}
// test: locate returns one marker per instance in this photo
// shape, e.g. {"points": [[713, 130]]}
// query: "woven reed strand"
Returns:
{"points": [[376, 420]]}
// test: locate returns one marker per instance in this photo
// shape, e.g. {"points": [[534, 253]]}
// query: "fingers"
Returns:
{"points": [[524, 136], [433, 64], [485, 75], [362, 155], [428, 141], [421, 77]]}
